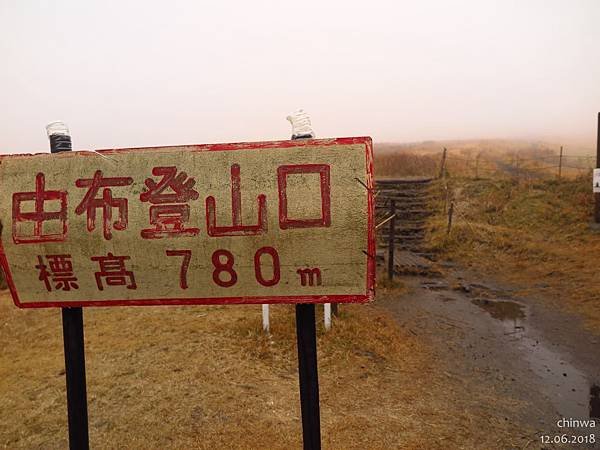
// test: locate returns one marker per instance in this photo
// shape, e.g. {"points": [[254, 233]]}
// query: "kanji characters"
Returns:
{"points": [[169, 211], [285, 221], [113, 271], [90, 203], [236, 228], [28, 227], [61, 272]]}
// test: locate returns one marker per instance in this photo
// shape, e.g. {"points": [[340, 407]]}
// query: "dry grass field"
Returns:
{"points": [[491, 158], [516, 219], [208, 378], [538, 233]]}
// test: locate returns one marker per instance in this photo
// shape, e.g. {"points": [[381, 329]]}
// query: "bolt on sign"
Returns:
{"points": [[267, 222]]}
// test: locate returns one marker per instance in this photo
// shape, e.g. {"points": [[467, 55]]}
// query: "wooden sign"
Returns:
{"points": [[268, 222]]}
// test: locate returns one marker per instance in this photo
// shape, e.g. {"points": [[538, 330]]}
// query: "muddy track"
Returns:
{"points": [[518, 348], [514, 346]]}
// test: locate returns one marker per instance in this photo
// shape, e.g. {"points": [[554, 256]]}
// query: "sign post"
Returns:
{"points": [[74, 347], [72, 319], [309, 377], [282, 222], [306, 334]]}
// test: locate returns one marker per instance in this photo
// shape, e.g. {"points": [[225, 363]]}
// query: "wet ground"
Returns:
{"points": [[519, 347]]}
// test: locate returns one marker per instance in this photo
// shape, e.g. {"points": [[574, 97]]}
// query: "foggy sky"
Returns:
{"points": [[145, 73]]}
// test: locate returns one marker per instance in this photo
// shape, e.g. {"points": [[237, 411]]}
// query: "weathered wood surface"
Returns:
{"points": [[262, 222]]}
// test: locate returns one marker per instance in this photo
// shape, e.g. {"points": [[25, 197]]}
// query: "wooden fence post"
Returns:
{"points": [[597, 194], [450, 214], [391, 240], [335, 312], [560, 158], [443, 164]]}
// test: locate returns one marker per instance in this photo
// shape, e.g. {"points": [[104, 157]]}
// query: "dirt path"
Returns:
{"points": [[517, 348]]}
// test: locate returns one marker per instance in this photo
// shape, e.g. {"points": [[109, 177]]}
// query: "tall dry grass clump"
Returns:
{"points": [[406, 164]]}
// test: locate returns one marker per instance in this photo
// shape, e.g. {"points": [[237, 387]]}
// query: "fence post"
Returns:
{"points": [[265, 318], [597, 194], [450, 214], [443, 165], [560, 158], [391, 240], [327, 316], [477, 166], [335, 312], [446, 197]]}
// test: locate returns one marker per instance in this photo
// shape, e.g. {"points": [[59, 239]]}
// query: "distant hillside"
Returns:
{"points": [[488, 146], [484, 157]]}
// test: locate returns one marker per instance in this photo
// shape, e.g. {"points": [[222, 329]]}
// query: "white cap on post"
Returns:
{"points": [[57, 127], [301, 126]]}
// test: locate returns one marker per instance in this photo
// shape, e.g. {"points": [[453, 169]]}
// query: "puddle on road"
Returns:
{"points": [[501, 309], [566, 387]]}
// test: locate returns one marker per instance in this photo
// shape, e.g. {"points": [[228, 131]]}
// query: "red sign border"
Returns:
{"points": [[277, 299]]}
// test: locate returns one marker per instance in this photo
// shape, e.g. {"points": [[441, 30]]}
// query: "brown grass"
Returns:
{"points": [[207, 377], [523, 160], [535, 235], [406, 164], [516, 220]]}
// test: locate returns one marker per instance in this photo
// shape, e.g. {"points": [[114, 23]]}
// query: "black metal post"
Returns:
{"points": [[309, 377], [74, 347], [308, 374], [597, 194], [75, 374], [391, 240]]}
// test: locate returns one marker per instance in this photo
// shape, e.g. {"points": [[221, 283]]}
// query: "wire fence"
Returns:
{"points": [[524, 170], [516, 166], [521, 165], [450, 201]]}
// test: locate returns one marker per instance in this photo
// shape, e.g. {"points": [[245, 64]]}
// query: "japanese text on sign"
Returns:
{"points": [[282, 222]]}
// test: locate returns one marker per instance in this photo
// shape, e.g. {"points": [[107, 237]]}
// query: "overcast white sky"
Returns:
{"points": [[139, 73]]}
